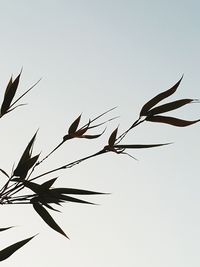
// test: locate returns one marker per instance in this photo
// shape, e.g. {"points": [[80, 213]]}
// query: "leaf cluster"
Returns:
{"points": [[45, 197]]}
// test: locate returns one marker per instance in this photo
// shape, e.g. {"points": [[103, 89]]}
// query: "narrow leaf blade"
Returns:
{"points": [[112, 138], [171, 120], [46, 185], [169, 106], [8, 251], [74, 125], [5, 228], [74, 191], [152, 102], [47, 218], [140, 146], [9, 94]]}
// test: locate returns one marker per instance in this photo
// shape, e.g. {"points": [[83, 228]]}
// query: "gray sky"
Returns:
{"points": [[92, 56]]}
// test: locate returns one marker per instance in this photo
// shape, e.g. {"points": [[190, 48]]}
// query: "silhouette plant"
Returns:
{"points": [[44, 196]]}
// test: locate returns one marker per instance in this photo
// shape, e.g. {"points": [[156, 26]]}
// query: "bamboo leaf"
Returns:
{"points": [[74, 126], [76, 200], [112, 138], [169, 106], [171, 120], [46, 185], [93, 136], [28, 151], [22, 169], [47, 198], [151, 103], [74, 191], [36, 188], [45, 201], [140, 146], [5, 228], [5, 173], [9, 94], [47, 218], [8, 251]]}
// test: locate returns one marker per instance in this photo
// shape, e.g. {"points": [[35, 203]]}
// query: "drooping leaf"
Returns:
{"points": [[139, 146], [112, 138], [169, 106], [47, 218], [74, 191], [8, 251], [5, 228], [74, 126], [9, 94], [171, 120], [151, 103]]}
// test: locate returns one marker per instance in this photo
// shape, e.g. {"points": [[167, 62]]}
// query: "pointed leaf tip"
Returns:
{"points": [[74, 125], [47, 218], [172, 121], [8, 251], [9, 94], [112, 138], [152, 102]]}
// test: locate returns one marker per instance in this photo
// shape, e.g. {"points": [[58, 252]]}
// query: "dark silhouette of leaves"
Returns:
{"points": [[93, 136], [23, 168], [74, 191], [171, 120], [74, 126], [139, 146], [5, 228], [8, 251], [151, 103], [36, 188], [5, 173], [47, 218], [72, 199], [112, 138], [169, 106], [26, 162], [46, 185], [28, 151], [9, 94]]}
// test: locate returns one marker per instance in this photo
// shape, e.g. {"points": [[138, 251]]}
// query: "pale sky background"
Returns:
{"points": [[94, 55]]}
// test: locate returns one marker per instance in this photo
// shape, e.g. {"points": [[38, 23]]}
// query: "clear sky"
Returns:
{"points": [[94, 55]]}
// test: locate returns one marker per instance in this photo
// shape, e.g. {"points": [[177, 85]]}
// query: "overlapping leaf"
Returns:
{"points": [[74, 191], [8, 251], [74, 126], [9, 94], [169, 106], [112, 138], [47, 218], [26, 161], [155, 100]]}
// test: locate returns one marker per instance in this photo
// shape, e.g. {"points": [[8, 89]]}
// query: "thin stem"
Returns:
{"points": [[70, 165], [136, 123]]}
